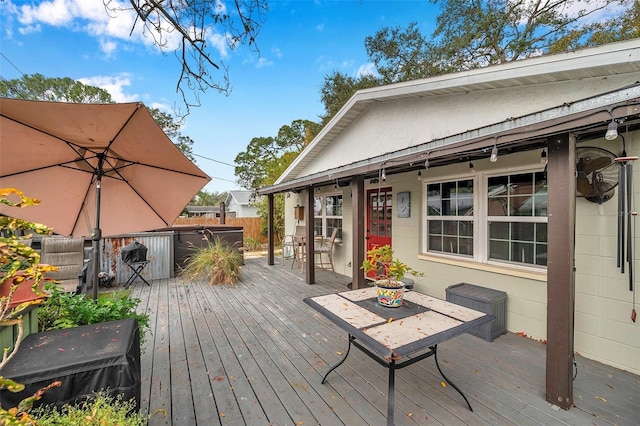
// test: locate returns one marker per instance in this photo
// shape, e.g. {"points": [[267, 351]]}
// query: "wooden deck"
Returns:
{"points": [[255, 354]]}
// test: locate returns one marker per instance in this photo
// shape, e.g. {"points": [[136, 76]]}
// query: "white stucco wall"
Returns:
{"points": [[391, 126], [603, 327], [603, 302]]}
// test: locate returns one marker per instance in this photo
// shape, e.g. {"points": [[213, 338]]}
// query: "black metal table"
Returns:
{"points": [[397, 337]]}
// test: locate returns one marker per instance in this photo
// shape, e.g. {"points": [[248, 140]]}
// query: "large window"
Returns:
{"points": [[517, 218], [450, 217], [327, 215], [489, 218]]}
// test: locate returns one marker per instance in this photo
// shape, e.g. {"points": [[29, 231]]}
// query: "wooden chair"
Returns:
{"points": [[325, 248], [293, 244]]}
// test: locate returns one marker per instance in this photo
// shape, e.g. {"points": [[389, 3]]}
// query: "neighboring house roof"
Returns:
{"points": [[203, 209], [603, 61], [243, 198]]}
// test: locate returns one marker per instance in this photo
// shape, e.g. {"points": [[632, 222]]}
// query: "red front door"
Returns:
{"points": [[379, 213]]}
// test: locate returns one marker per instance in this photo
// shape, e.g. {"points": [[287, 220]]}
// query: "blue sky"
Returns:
{"points": [[300, 42]]}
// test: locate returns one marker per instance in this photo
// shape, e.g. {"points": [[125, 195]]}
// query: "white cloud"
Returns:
{"points": [[219, 42], [161, 106], [106, 24], [56, 13], [366, 69], [114, 85], [319, 28], [108, 47], [29, 29], [263, 62]]}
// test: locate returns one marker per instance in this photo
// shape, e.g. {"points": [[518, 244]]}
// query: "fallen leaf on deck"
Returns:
{"points": [[443, 384], [389, 320], [339, 353], [601, 398]]}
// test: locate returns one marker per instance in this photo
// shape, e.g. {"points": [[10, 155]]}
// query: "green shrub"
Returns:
{"points": [[217, 262], [64, 310], [251, 244], [102, 409]]}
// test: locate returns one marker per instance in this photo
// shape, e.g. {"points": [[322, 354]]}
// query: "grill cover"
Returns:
{"points": [[134, 252], [85, 359]]}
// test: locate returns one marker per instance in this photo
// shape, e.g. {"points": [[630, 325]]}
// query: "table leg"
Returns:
{"points": [[391, 392], [435, 353], [341, 361]]}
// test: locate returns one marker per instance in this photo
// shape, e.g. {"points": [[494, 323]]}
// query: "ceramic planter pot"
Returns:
{"points": [[24, 292], [390, 293]]}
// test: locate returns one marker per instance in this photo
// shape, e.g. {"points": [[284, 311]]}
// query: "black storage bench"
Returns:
{"points": [[86, 359], [484, 300]]}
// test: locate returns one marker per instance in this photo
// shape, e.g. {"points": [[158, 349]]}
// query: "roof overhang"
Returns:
{"points": [[602, 61], [587, 119]]}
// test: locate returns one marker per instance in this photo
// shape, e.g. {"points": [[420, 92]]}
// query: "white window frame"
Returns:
{"points": [[324, 215], [480, 217], [524, 219], [425, 239]]}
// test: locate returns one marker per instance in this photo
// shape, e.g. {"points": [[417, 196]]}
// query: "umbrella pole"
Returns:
{"points": [[96, 235]]}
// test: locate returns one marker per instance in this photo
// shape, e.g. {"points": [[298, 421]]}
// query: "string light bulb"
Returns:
{"points": [[426, 163], [419, 174], [383, 175], [543, 157], [494, 154], [612, 131]]}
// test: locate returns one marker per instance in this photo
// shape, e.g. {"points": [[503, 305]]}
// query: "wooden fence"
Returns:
{"points": [[252, 225]]}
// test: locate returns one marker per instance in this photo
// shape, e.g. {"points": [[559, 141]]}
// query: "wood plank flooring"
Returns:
{"points": [[255, 353]]}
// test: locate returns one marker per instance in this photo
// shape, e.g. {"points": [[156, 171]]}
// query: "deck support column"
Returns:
{"points": [[560, 270], [270, 236], [310, 258], [357, 231]]}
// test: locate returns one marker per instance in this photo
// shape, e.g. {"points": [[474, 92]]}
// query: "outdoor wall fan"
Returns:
{"points": [[596, 174]]}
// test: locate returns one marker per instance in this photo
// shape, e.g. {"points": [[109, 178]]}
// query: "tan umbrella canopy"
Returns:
{"points": [[98, 169]]}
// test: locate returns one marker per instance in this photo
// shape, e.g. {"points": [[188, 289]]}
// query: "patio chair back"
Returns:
{"points": [[68, 255]]}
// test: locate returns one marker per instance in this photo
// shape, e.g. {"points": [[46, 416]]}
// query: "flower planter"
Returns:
{"points": [[390, 293], [24, 292]]}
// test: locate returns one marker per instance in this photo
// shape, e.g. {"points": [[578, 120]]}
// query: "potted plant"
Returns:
{"points": [[21, 274], [21, 279], [387, 273]]}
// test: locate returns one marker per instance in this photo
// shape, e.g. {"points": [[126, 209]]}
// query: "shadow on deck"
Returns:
{"points": [[254, 354]]}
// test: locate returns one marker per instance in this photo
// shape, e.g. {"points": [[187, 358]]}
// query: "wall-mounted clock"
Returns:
{"points": [[404, 204]]}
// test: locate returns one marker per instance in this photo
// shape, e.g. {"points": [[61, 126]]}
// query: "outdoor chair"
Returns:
{"points": [[293, 244], [68, 255], [325, 248]]}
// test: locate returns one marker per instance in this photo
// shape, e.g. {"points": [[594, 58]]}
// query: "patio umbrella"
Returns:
{"points": [[98, 169]]}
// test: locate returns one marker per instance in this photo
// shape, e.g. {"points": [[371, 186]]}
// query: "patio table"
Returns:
{"points": [[397, 337]]}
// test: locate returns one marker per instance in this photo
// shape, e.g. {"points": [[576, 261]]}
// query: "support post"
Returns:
{"points": [[309, 243], [560, 270], [357, 230], [270, 236]]}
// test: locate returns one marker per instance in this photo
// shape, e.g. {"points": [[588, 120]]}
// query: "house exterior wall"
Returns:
{"points": [[603, 328], [603, 302], [242, 210], [391, 126]]}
